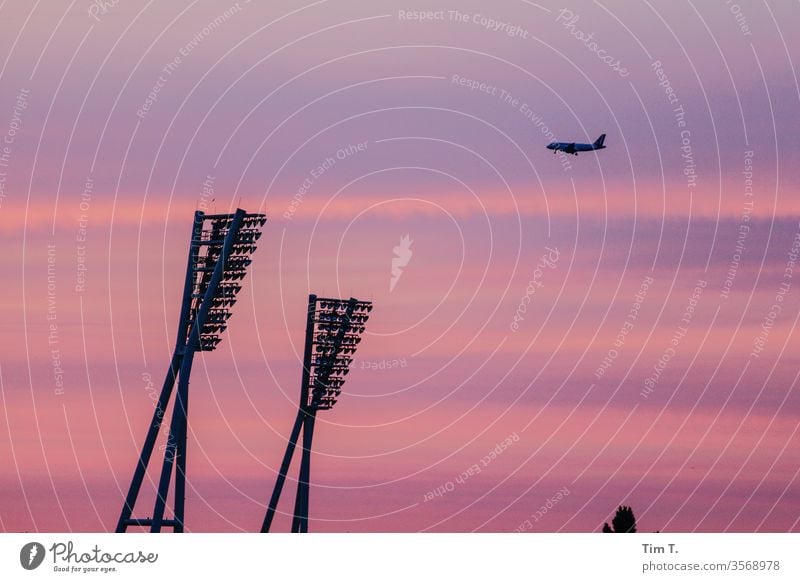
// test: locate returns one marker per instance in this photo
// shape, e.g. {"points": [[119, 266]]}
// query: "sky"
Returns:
{"points": [[568, 333]]}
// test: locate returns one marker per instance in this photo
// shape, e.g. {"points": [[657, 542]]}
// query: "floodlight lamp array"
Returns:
{"points": [[337, 328], [208, 244]]}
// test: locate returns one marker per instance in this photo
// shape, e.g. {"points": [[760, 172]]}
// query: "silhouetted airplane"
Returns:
{"points": [[574, 148]]}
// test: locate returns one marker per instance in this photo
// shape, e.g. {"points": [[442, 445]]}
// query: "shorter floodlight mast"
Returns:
{"points": [[333, 331]]}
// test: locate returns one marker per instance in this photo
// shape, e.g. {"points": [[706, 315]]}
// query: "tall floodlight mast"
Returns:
{"points": [[333, 331], [219, 254]]}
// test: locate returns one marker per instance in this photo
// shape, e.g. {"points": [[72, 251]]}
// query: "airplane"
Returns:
{"points": [[574, 148]]}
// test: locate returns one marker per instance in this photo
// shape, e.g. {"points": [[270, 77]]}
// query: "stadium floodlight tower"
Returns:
{"points": [[219, 254], [333, 332]]}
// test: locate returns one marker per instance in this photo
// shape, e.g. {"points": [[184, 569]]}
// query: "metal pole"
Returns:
{"points": [[304, 409], [149, 444], [178, 419], [300, 522], [183, 387], [182, 402], [287, 460]]}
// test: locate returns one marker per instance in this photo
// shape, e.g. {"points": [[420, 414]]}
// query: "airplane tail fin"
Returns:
{"points": [[599, 141]]}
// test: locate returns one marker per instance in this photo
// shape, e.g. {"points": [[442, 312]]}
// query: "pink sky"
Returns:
{"points": [[254, 105]]}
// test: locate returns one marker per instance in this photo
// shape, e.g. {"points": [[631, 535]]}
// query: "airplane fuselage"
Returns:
{"points": [[573, 148]]}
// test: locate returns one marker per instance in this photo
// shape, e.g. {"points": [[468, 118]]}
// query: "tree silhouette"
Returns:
{"points": [[623, 522]]}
